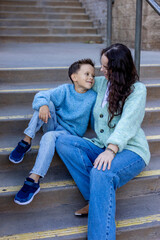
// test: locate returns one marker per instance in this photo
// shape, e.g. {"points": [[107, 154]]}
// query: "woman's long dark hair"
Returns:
{"points": [[122, 75]]}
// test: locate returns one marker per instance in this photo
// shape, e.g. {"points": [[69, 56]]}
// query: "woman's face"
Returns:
{"points": [[104, 65]]}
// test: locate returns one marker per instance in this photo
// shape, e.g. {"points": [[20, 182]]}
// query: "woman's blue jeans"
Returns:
{"points": [[47, 144], [97, 186]]}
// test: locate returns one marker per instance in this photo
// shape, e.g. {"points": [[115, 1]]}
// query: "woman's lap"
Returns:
{"points": [[126, 164]]}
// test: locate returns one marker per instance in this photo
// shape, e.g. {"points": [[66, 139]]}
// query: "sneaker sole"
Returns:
{"points": [[30, 200], [13, 161]]}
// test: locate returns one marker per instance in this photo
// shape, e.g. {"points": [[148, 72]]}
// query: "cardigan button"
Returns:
{"points": [[101, 131], [101, 115]]}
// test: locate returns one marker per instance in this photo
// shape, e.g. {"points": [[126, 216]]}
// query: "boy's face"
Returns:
{"points": [[84, 78]]}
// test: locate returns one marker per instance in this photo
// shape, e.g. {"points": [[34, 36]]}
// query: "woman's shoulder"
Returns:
{"points": [[139, 85], [99, 82]]}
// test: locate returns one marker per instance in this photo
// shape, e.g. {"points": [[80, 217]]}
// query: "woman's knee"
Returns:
{"points": [[99, 178]]}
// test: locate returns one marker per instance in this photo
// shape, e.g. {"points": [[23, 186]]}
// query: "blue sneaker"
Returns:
{"points": [[27, 192], [17, 154]]}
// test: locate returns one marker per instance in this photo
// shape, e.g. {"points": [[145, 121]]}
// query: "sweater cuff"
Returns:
{"points": [[36, 106], [121, 144]]}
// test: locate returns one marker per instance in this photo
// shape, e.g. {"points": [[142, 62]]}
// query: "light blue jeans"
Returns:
{"points": [[47, 144], [97, 186]]}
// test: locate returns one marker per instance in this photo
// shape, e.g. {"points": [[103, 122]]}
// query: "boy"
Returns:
{"points": [[63, 110]]}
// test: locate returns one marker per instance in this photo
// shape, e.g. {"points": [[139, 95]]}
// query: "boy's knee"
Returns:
{"points": [[49, 136]]}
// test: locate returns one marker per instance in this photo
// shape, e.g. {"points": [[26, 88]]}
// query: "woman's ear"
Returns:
{"points": [[74, 77]]}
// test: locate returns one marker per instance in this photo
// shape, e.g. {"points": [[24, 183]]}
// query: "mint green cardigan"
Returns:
{"points": [[127, 133]]}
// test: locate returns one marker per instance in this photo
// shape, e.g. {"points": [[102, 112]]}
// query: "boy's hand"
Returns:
{"points": [[44, 113]]}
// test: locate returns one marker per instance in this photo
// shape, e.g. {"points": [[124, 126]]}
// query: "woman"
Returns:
{"points": [[120, 151]]}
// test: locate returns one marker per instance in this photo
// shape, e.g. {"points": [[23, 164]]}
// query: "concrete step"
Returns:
{"points": [[54, 219], [85, 38], [40, 3], [34, 15], [42, 9], [47, 30], [44, 23], [18, 115], [13, 76], [146, 183], [13, 130], [7, 95]]}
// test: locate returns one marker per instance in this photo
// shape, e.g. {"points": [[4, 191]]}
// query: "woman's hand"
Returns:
{"points": [[44, 113], [104, 159]]}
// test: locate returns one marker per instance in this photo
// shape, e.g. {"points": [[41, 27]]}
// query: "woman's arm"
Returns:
{"points": [[131, 118]]}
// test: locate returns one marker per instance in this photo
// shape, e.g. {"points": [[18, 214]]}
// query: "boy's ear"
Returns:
{"points": [[74, 77]]}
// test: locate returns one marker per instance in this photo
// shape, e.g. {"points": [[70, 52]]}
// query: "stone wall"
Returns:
{"points": [[97, 10], [123, 25]]}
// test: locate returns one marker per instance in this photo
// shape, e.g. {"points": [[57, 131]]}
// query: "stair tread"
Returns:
{"points": [[59, 173], [59, 217], [51, 35]]}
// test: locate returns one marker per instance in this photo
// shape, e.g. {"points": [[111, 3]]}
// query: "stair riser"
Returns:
{"points": [[148, 72], [141, 234], [27, 164], [34, 76], [45, 39], [153, 93], [43, 16], [44, 23], [63, 3], [13, 98], [16, 128], [39, 4], [151, 119], [154, 147], [49, 30], [39, 75], [42, 9]]}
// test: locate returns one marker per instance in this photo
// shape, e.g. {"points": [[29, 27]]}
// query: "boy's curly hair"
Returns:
{"points": [[76, 66]]}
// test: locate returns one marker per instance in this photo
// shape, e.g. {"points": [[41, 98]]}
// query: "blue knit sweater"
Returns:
{"points": [[73, 109]]}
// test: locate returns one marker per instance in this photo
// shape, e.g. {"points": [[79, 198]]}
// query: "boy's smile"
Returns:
{"points": [[84, 78]]}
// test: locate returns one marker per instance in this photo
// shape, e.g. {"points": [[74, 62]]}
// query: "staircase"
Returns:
{"points": [[45, 21], [51, 214]]}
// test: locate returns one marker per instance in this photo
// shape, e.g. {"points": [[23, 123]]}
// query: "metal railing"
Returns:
{"points": [[138, 28]]}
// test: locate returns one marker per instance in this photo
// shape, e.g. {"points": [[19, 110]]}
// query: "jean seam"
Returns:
{"points": [[109, 211], [83, 159]]}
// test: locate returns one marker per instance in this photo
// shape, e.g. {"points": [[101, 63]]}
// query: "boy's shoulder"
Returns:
{"points": [[62, 87]]}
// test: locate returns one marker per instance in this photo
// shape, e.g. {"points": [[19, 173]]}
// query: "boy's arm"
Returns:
{"points": [[42, 98]]}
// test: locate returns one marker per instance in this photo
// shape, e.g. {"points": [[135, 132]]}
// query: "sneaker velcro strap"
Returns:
{"points": [[29, 183]]}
